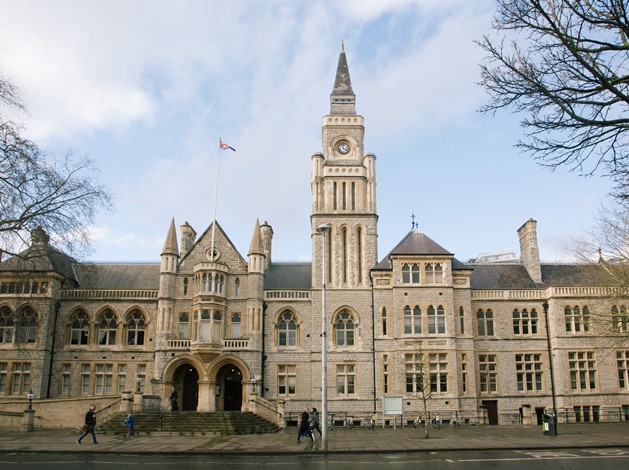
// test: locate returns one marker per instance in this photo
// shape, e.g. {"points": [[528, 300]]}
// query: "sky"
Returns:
{"points": [[146, 88]]}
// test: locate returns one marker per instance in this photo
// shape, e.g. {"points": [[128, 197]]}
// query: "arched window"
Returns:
{"points": [[136, 328], [577, 320], [217, 324], [345, 329], [183, 325], [461, 320], [485, 322], [415, 273], [384, 321], [107, 327], [7, 325], [406, 274], [359, 246], [235, 325], [204, 282], [620, 320], [185, 286], [441, 320], [28, 326], [80, 328], [438, 273], [237, 284], [412, 320], [287, 329]]}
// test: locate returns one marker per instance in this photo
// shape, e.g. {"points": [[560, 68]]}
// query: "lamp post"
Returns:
{"points": [[30, 395], [552, 374], [323, 230], [254, 383]]}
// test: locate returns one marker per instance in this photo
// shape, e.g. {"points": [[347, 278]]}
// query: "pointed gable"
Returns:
{"points": [[256, 240], [418, 243]]}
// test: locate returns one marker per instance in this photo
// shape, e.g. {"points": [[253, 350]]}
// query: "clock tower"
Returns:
{"points": [[344, 193]]}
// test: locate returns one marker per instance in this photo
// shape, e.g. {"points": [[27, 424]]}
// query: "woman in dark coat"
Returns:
{"points": [[304, 427]]}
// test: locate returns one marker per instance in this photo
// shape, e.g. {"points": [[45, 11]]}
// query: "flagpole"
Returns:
{"points": [[218, 159]]}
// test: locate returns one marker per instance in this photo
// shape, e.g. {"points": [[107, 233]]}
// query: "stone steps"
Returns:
{"points": [[189, 423]]}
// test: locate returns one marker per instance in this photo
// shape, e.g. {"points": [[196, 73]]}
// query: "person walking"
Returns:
{"points": [[174, 405], [304, 427], [130, 422], [314, 422], [90, 425]]}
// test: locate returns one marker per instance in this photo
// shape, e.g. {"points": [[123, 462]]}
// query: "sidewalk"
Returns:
{"points": [[341, 440]]}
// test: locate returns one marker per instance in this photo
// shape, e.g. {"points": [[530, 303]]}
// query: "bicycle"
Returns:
{"points": [[455, 422], [418, 422], [349, 422], [331, 423], [372, 421]]}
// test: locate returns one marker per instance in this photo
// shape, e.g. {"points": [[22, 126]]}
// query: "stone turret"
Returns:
{"points": [[267, 243], [188, 236], [529, 250], [256, 251]]}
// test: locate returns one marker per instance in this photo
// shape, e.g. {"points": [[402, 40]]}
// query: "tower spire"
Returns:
{"points": [[342, 99]]}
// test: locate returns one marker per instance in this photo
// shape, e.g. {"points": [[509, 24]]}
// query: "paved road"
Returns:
{"points": [[572, 459], [601, 435]]}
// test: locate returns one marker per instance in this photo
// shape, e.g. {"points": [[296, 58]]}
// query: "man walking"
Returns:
{"points": [[90, 425]]}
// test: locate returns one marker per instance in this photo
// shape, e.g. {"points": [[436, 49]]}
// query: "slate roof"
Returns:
{"points": [[41, 259], [288, 276], [119, 276], [416, 243]]}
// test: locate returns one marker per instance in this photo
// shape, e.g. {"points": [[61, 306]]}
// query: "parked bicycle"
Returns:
{"points": [[372, 421], [331, 422], [418, 421], [436, 422]]}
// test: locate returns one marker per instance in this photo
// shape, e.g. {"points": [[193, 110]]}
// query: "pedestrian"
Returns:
{"points": [[130, 422], [89, 427], [174, 406], [314, 422], [304, 427]]}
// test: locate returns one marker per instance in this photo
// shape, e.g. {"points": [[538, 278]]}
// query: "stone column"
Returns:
{"points": [[138, 401], [204, 402]]}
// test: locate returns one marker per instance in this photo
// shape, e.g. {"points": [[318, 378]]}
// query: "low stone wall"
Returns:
{"points": [[57, 413]]}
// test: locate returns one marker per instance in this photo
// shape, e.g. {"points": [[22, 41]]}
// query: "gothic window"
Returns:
{"points": [[359, 253], [577, 320], [136, 328], [412, 320], [461, 320], [287, 329], [107, 327], [7, 325], [410, 273], [344, 254], [436, 320], [384, 321], [485, 322], [235, 325], [434, 273], [524, 323], [204, 282], [183, 325], [217, 324], [345, 329], [237, 287], [622, 360], [185, 286], [28, 326], [79, 328]]}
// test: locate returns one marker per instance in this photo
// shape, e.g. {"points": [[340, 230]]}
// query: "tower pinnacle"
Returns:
{"points": [[342, 99]]}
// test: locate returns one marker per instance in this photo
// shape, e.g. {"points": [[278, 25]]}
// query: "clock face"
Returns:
{"points": [[343, 148]]}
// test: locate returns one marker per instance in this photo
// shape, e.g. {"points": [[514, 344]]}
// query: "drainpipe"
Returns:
{"points": [[373, 341], [52, 347], [263, 358]]}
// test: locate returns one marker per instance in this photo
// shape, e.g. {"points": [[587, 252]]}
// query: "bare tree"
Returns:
{"points": [[418, 382], [60, 195], [563, 63]]}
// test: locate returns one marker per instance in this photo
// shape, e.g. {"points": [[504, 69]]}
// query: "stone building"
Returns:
{"points": [[226, 330]]}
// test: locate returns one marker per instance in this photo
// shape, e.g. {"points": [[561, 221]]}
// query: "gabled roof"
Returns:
{"points": [[288, 276]]}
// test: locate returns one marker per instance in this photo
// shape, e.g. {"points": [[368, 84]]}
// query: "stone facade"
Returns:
{"points": [[418, 324]]}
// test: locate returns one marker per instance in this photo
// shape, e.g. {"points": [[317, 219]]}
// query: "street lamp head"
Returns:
{"points": [[323, 228]]}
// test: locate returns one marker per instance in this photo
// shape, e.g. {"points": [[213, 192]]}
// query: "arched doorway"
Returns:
{"points": [[229, 388], [186, 381]]}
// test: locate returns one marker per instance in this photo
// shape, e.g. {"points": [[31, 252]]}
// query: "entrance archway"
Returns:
{"points": [[186, 381], [229, 391]]}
